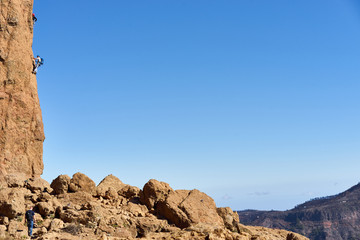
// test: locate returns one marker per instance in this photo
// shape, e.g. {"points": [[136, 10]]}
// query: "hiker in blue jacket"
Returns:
{"points": [[30, 216]]}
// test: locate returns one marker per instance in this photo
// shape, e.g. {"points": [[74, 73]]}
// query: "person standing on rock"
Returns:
{"points": [[30, 217], [37, 62]]}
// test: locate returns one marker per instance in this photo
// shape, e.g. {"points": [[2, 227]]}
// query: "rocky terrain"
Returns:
{"points": [[21, 127], [329, 218], [74, 207]]}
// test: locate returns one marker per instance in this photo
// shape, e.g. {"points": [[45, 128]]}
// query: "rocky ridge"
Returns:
{"points": [[75, 208], [329, 218]]}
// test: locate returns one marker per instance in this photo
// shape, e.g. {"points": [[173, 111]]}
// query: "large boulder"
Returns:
{"points": [[185, 208], [17, 229], [12, 202], [45, 209], [109, 187], [153, 192], [169, 209], [56, 225], [129, 191], [61, 184], [37, 185], [81, 182]]}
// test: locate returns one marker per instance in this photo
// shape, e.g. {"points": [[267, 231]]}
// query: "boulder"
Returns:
{"points": [[169, 209], [109, 187], [15, 180], [16, 226], [56, 225], [55, 203], [111, 193], [117, 229], [73, 215], [12, 202], [151, 224], [45, 209], [81, 182], [68, 215], [185, 208], [44, 197], [129, 192], [46, 223], [73, 199], [37, 185], [136, 210], [61, 184], [153, 192], [200, 208], [230, 218], [39, 231]]}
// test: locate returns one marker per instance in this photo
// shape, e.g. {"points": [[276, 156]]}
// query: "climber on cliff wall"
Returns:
{"points": [[29, 216], [37, 62], [34, 18]]}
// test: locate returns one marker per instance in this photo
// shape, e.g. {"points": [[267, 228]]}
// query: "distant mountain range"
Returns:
{"points": [[329, 218]]}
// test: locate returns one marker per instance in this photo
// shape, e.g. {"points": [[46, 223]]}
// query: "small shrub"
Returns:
{"points": [[39, 222], [73, 229], [91, 225]]}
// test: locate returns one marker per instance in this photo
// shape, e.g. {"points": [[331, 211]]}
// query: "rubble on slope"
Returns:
{"points": [[74, 208]]}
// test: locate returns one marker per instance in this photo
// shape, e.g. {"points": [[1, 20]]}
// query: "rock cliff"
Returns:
{"points": [[21, 127]]}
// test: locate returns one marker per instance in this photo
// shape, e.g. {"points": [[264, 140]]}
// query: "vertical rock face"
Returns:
{"points": [[21, 127]]}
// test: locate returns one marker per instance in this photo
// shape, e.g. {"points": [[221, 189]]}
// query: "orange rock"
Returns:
{"points": [[230, 218], [61, 184], [185, 208], [21, 126], [153, 192], [109, 187], [81, 182], [12, 202]]}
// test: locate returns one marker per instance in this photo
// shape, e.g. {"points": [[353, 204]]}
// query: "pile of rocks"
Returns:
{"points": [[75, 208]]}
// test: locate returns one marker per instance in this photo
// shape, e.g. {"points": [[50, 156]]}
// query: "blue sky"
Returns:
{"points": [[255, 103]]}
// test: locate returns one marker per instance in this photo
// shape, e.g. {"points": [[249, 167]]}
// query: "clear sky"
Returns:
{"points": [[254, 102]]}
